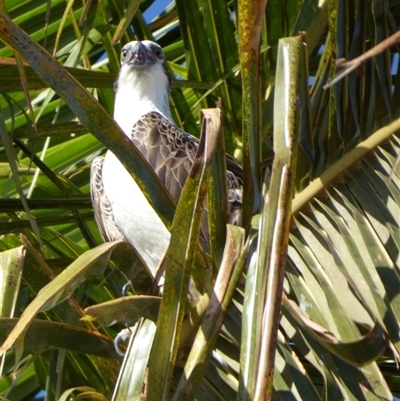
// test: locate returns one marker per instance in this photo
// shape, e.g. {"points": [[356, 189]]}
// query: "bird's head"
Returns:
{"points": [[143, 60]]}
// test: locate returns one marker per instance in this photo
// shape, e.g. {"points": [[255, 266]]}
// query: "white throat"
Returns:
{"points": [[138, 93]]}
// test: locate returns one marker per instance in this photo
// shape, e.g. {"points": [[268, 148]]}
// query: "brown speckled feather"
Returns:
{"points": [[171, 151], [103, 213]]}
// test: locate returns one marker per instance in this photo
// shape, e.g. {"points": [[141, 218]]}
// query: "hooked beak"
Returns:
{"points": [[140, 56]]}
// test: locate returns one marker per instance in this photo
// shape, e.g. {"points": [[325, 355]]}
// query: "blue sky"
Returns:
{"points": [[155, 9]]}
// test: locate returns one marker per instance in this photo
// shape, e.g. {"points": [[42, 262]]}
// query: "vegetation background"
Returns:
{"points": [[336, 335]]}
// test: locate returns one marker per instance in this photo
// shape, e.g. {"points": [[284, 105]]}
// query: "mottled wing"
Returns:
{"points": [[169, 151], [103, 213]]}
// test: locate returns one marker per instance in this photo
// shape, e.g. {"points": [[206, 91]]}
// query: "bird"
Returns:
{"points": [[122, 212]]}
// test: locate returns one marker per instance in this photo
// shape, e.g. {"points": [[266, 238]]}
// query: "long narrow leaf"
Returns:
{"points": [[179, 260], [228, 276], [60, 288]]}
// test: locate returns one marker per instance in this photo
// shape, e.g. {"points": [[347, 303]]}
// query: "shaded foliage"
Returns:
{"points": [[338, 334]]}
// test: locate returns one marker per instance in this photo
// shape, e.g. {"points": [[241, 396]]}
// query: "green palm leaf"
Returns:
{"points": [[337, 335]]}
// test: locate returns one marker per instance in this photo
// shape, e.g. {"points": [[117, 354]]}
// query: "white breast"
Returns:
{"points": [[140, 224], [139, 94], [133, 214]]}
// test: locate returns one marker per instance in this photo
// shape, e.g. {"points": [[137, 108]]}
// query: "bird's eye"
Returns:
{"points": [[123, 55], [158, 52]]}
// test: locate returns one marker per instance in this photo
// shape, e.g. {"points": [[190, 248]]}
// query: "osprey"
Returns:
{"points": [[142, 111]]}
